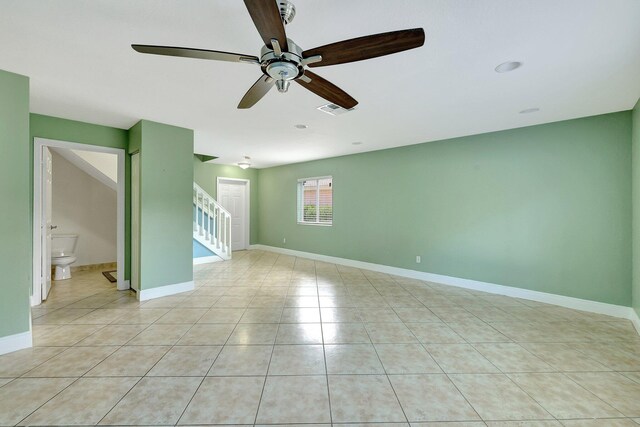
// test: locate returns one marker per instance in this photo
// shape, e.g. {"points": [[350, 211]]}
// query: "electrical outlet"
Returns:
{"points": [[418, 259], [284, 240]]}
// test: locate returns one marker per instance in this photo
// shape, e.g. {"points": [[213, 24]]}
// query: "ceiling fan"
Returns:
{"points": [[282, 61]]}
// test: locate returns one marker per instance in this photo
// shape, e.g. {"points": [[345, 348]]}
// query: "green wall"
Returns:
{"points": [[545, 208], [635, 141], [86, 133], [166, 206], [15, 212], [206, 175], [80, 132]]}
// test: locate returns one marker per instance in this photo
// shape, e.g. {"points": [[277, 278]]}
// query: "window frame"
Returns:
{"points": [[300, 199]]}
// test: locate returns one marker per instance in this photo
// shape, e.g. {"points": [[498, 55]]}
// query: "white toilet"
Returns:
{"points": [[63, 247]]}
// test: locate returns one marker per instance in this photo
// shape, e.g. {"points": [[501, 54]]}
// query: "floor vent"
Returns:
{"points": [[334, 109]]}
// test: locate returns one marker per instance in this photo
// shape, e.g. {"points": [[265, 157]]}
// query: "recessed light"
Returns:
{"points": [[301, 126], [530, 110], [357, 143], [505, 67]]}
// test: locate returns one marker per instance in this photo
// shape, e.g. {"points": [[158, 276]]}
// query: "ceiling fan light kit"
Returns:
{"points": [[246, 163], [282, 61]]}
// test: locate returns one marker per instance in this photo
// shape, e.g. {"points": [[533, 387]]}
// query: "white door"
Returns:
{"points": [[135, 221], [232, 197], [45, 222]]}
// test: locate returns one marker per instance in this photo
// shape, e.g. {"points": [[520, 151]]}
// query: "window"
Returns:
{"points": [[315, 201]]}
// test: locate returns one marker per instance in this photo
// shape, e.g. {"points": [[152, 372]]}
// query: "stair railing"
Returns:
{"points": [[211, 223]]}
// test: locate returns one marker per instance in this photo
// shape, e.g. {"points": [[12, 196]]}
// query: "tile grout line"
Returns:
{"points": [[208, 370], [48, 400], [273, 346], [76, 378], [65, 388], [500, 371], [440, 367], [404, 413], [164, 354], [148, 370], [324, 350], [507, 374], [387, 294]]}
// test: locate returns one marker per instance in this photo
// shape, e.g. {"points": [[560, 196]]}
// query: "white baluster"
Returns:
{"points": [[195, 205], [205, 214], [221, 229], [201, 213], [228, 237], [216, 226], [223, 232], [212, 208], [227, 243]]}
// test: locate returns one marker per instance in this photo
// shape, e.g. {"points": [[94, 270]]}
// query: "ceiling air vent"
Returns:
{"points": [[334, 109]]}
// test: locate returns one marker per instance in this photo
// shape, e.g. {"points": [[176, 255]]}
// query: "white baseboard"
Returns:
{"points": [[206, 260], [492, 288], [164, 291], [15, 342]]}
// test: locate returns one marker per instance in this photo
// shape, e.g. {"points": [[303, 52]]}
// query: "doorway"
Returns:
{"points": [[234, 196], [42, 212]]}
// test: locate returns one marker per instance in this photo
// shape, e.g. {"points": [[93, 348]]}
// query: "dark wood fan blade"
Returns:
{"points": [[266, 17], [366, 47], [187, 52], [256, 92], [327, 90]]}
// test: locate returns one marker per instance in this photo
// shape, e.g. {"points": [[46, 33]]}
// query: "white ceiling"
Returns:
{"points": [[581, 58]]}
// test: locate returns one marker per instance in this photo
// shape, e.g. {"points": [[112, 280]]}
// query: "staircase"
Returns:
{"points": [[211, 223]]}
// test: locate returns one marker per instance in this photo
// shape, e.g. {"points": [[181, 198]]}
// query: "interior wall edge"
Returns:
{"points": [[635, 319], [635, 196], [15, 226]]}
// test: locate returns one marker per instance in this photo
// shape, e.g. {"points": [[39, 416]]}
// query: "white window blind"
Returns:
{"points": [[315, 201]]}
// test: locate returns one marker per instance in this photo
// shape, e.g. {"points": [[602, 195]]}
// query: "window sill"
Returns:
{"points": [[317, 224]]}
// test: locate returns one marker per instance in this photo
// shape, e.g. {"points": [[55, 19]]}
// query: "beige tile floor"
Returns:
{"points": [[277, 340]]}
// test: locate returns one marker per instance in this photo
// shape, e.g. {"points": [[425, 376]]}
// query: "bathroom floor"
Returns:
{"points": [[271, 339]]}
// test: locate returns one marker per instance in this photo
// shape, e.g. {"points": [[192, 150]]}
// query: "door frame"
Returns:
{"points": [[134, 280], [247, 203], [46, 229], [38, 143]]}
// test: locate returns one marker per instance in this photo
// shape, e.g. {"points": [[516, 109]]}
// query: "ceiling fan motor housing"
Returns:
{"points": [[286, 67]]}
